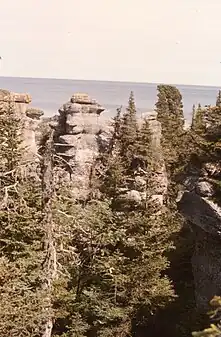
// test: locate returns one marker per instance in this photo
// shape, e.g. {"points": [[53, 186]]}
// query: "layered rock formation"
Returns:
{"points": [[30, 117], [80, 136]]}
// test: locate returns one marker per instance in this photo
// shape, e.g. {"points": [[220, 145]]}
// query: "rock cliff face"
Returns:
{"points": [[80, 135], [19, 104], [198, 204], [205, 217]]}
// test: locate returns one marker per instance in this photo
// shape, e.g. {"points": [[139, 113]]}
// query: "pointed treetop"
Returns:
{"points": [[131, 104], [218, 99]]}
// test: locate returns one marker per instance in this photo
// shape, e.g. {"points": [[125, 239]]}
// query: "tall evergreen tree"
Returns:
{"points": [[22, 298], [128, 131], [218, 99], [193, 116], [114, 171], [198, 125], [169, 110], [115, 275]]}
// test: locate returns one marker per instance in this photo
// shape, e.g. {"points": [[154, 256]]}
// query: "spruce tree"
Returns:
{"points": [[111, 163], [193, 116], [22, 298], [218, 99], [169, 110], [115, 279], [198, 125], [128, 131]]}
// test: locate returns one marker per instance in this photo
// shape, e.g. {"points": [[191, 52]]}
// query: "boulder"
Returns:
{"points": [[34, 113]]}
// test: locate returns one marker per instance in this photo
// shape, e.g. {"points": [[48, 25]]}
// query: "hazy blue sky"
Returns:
{"points": [[176, 41]]}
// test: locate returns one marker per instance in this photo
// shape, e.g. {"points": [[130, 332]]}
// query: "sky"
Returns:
{"points": [[170, 41]]}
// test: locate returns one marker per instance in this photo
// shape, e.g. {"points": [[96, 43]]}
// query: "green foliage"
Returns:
{"points": [[22, 298], [112, 273], [198, 124], [115, 273], [128, 131], [115, 276], [218, 99], [169, 110], [130, 151]]}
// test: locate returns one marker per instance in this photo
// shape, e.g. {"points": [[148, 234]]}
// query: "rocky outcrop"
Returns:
{"points": [[199, 205], [30, 117], [205, 217], [31, 122], [80, 135]]}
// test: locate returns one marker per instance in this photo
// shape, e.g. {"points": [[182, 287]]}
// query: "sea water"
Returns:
{"points": [[50, 94]]}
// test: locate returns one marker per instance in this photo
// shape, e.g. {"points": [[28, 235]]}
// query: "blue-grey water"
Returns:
{"points": [[50, 94]]}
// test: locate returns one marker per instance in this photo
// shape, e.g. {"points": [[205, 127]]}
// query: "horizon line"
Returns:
{"points": [[112, 81]]}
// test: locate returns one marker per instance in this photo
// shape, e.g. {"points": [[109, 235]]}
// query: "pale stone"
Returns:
{"points": [[205, 189]]}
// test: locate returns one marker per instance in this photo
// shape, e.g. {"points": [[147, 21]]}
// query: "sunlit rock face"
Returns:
{"points": [[30, 117], [80, 134]]}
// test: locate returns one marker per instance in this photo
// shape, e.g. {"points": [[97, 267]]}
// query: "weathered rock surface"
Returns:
{"points": [[19, 105], [198, 205], [202, 212], [206, 260], [81, 133]]}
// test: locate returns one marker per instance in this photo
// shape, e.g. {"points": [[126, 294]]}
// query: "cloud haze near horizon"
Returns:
{"points": [[144, 40]]}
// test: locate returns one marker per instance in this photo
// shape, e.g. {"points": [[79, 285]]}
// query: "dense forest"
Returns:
{"points": [[105, 267]]}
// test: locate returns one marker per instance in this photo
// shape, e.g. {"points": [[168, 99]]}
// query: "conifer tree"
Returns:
{"points": [[122, 149], [22, 298], [28, 257], [169, 109], [193, 116], [128, 131], [115, 275], [112, 162], [198, 125], [218, 99]]}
